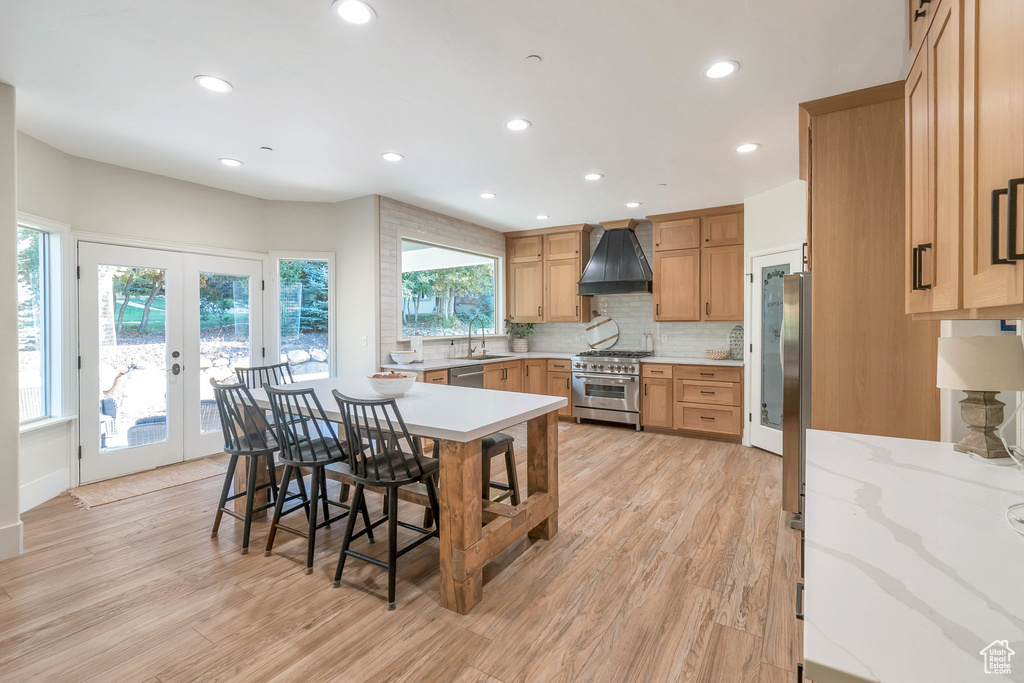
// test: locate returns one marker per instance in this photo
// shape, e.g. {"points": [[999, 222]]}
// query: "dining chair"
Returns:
{"points": [[309, 441], [246, 434], [263, 375], [383, 454]]}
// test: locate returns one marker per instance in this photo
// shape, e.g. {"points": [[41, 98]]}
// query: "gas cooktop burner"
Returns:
{"points": [[615, 353]]}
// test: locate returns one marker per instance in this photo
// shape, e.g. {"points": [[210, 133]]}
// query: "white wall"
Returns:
{"points": [[775, 217]]}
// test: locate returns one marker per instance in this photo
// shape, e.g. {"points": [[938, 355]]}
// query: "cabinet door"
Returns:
{"points": [[558, 385], [918, 226], [656, 403], [535, 376], [561, 301], [721, 274], [436, 377], [677, 284], [493, 375], [513, 375], [526, 249], [526, 292], [994, 144], [719, 231], [563, 245], [683, 233]]}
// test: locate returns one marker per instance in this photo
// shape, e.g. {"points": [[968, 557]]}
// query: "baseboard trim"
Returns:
{"points": [[43, 489], [11, 544]]}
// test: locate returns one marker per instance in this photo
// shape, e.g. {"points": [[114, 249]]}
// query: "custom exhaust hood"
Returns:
{"points": [[618, 265]]}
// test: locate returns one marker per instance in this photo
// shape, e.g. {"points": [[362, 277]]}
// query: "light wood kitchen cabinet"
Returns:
{"points": [[526, 292], [919, 19], [683, 233], [561, 301], [507, 376], [525, 249], [721, 230], [676, 291], [721, 286], [656, 402], [435, 377], [559, 385], [563, 245], [493, 376], [535, 376], [720, 420]]}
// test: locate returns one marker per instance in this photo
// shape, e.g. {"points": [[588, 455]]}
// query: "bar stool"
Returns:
{"points": [[308, 440], [383, 454], [246, 434], [493, 446]]}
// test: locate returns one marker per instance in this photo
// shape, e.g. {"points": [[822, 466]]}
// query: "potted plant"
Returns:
{"points": [[517, 334]]}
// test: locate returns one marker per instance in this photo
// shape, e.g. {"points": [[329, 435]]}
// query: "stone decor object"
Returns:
{"points": [[736, 343]]}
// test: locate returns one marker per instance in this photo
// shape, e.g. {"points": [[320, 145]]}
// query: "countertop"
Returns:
{"points": [[911, 568], [444, 363]]}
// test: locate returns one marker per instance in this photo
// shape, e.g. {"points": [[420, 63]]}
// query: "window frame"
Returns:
{"points": [[453, 245], [58, 298], [272, 321]]}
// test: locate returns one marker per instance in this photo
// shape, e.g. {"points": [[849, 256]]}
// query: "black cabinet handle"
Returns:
{"points": [[657, 309], [707, 308], [800, 601], [709, 393], [919, 14], [919, 250], [996, 258], [913, 269], [922, 3], [1011, 219], [707, 418]]}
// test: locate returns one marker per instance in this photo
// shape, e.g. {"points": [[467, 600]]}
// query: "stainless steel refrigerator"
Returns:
{"points": [[796, 389]]}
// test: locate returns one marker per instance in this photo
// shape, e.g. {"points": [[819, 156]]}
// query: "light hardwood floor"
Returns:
{"points": [[673, 562]]}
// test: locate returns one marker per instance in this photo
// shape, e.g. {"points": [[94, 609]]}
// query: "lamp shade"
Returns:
{"points": [[981, 363]]}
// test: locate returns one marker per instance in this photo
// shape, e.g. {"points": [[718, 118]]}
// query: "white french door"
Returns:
{"points": [[154, 328], [766, 338]]}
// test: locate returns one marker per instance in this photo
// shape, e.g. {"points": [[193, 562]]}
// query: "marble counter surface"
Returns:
{"points": [[445, 363], [911, 568]]}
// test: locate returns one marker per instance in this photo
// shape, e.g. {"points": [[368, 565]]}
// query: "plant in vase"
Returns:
{"points": [[517, 334]]}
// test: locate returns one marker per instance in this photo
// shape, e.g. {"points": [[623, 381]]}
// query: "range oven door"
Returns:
{"points": [[608, 392]]}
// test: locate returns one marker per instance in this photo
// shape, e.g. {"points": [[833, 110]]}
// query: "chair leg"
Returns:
{"points": [[272, 471], [392, 545], [278, 506], [314, 486], [485, 470], [365, 511], [228, 476], [302, 489], [344, 492], [428, 518], [434, 505], [323, 496], [510, 469], [250, 494], [357, 501]]}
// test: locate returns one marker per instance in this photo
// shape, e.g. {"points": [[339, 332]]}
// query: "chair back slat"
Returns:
{"points": [[303, 430], [243, 424], [265, 375], [381, 449]]}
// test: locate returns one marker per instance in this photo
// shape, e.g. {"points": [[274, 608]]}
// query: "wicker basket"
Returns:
{"points": [[520, 346], [717, 354]]}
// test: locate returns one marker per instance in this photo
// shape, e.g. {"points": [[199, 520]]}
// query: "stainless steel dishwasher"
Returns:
{"points": [[467, 376]]}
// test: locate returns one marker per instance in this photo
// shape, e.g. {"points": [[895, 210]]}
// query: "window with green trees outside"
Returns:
{"points": [[443, 289]]}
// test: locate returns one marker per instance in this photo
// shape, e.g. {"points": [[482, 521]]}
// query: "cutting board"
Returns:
{"points": [[602, 332]]}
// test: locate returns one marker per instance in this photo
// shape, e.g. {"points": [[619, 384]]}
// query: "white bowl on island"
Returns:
{"points": [[402, 357], [391, 384]]}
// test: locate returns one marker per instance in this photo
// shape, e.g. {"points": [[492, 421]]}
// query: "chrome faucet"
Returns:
{"points": [[483, 339]]}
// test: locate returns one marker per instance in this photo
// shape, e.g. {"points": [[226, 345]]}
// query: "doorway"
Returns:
{"points": [[766, 346], [155, 327]]}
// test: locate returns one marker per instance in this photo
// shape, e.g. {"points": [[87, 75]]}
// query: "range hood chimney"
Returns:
{"points": [[618, 265]]}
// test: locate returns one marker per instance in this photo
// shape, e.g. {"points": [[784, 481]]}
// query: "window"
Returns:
{"points": [[304, 306], [444, 289], [33, 333]]}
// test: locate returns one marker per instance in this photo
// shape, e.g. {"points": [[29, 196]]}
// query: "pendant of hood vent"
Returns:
{"points": [[618, 265]]}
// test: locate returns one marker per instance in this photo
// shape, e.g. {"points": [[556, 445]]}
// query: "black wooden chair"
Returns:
{"points": [[308, 440], [493, 446], [246, 434], [383, 454], [264, 375]]}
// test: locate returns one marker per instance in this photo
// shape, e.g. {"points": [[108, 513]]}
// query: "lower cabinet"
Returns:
{"points": [[560, 384], [435, 377], [504, 376], [535, 376], [698, 417], [703, 399], [656, 402]]}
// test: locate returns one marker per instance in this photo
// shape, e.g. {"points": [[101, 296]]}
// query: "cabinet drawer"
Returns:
{"points": [[718, 393], [559, 366], [655, 370], [697, 417], [436, 377], [716, 373]]}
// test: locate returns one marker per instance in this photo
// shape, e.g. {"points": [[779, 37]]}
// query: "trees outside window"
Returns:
{"points": [[443, 289]]}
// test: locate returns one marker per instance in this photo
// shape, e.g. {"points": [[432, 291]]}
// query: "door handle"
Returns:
{"points": [[996, 259], [1011, 219], [175, 369]]}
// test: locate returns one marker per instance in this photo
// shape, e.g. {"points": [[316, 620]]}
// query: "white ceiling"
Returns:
{"points": [[619, 91]]}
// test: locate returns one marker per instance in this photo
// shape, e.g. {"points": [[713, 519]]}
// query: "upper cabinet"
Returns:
{"points": [[543, 269], [964, 104], [698, 264]]}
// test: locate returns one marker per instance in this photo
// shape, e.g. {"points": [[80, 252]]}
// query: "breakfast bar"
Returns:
{"points": [[472, 531]]}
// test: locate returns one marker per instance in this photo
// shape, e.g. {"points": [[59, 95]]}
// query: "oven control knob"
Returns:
{"points": [[629, 369], [617, 368], [600, 366]]}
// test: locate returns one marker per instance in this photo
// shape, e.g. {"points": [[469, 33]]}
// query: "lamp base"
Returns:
{"points": [[982, 412]]}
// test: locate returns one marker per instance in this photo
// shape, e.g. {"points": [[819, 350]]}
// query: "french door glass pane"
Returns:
{"points": [[32, 384], [224, 339], [771, 336], [133, 353], [304, 317]]}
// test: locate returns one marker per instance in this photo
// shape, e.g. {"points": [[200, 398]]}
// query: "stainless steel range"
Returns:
{"points": [[606, 386]]}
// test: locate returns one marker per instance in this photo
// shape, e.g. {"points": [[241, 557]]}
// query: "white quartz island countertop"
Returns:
{"points": [[911, 569], [445, 363]]}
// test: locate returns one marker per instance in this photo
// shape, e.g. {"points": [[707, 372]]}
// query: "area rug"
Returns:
{"points": [[113, 490]]}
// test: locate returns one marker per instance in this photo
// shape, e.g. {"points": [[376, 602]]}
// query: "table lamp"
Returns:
{"points": [[982, 367]]}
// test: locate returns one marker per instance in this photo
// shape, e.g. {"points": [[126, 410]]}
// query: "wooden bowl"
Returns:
{"points": [[717, 354]]}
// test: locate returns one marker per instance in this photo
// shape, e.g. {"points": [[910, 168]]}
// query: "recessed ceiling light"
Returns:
{"points": [[533, 60], [632, 205], [747, 147], [354, 11], [233, 163], [392, 156], [213, 84], [487, 195], [593, 176], [543, 217], [721, 69], [518, 124], [264, 148]]}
